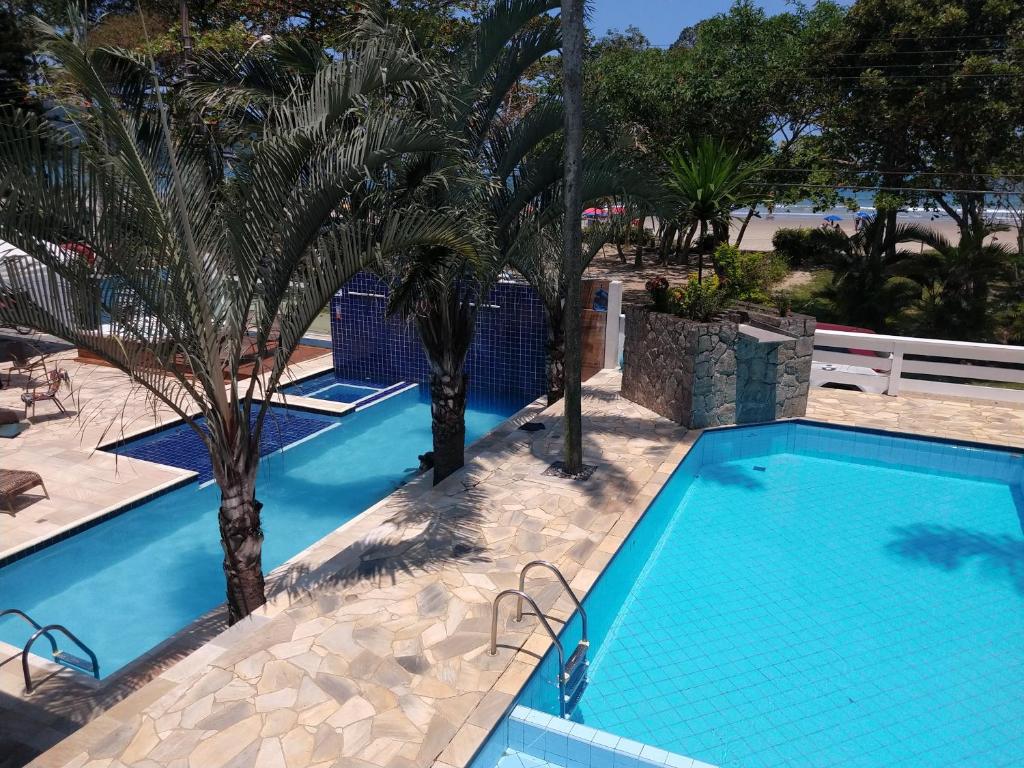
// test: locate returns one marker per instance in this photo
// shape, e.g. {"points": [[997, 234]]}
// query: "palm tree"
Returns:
{"points": [[709, 182], [198, 262], [955, 282], [538, 254], [573, 34], [867, 286], [430, 287], [532, 221]]}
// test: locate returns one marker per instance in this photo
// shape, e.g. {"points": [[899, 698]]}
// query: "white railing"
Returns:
{"points": [[901, 361]]}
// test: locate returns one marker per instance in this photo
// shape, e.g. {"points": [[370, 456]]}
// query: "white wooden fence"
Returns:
{"points": [[933, 366]]}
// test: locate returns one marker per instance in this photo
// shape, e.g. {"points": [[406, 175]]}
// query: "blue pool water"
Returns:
{"points": [[805, 596], [134, 580]]}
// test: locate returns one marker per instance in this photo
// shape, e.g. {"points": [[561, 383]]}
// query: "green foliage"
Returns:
{"points": [[699, 301], [748, 275], [954, 297], [707, 182], [15, 62], [806, 246]]}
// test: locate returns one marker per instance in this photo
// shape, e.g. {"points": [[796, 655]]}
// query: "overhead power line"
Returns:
{"points": [[900, 172], [881, 188]]}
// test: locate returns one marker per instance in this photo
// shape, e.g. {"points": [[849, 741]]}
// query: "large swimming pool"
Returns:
{"points": [[805, 596], [134, 580]]}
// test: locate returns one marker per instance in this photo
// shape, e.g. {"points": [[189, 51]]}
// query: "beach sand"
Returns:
{"points": [[758, 236]]}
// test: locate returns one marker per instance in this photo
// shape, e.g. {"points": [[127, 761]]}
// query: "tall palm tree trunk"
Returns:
{"points": [[241, 536], [448, 422], [572, 72], [700, 250], [743, 228], [555, 355]]}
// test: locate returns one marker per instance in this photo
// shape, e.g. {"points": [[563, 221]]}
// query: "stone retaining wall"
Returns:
{"points": [[710, 374]]}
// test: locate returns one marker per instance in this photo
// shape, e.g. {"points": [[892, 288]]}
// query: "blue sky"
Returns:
{"points": [[660, 20]]}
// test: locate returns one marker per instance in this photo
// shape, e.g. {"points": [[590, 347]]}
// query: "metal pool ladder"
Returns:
{"points": [[90, 665], [572, 674]]}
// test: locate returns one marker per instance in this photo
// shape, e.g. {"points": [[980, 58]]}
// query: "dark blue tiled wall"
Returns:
{"points": [[507, 354], [181, 447]]}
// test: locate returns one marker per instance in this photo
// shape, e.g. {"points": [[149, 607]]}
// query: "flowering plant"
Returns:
{"points": [[656, 284], [658, 288]]}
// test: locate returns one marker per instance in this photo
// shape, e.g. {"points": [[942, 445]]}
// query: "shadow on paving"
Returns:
{"points": [[443, 527]]}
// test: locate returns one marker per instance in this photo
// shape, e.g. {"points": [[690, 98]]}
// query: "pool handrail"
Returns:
{"points": [[565, 585], [544, 623], [29, 620]]}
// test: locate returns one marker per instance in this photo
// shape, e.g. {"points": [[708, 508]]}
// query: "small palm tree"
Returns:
{"points": [[708, 183], [531, 234], [197, 263], [437, 289], [867, 286], [956, 282]]}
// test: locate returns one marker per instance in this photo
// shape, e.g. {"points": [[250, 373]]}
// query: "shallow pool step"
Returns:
{"points": [[514, 759], [74, 662], [559, 742]]}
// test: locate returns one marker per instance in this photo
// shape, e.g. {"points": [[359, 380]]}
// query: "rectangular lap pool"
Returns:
{"points": [[132, 581], [803, 596]]}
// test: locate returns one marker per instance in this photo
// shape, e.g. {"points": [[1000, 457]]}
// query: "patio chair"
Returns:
{"points": [[24, 357], [55, 378], [14, 482]]}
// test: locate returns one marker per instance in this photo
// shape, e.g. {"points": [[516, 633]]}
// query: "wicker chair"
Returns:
{"points": [[24, 357], [14, 482], [54, 379]]}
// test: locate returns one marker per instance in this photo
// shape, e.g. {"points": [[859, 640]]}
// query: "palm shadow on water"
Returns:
{"points": [[951, 548], [730, 474]]}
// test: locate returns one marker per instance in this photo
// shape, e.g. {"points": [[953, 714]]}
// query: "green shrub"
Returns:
{"points": [[806, 246], [699, 301], [748, 276]]}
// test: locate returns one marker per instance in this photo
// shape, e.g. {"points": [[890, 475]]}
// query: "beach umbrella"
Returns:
{"points": [[863, 215], [593, 213], [833, 218]]}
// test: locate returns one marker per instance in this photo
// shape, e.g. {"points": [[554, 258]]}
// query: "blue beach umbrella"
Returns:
{"points": [[863, 215], [833, 218]]}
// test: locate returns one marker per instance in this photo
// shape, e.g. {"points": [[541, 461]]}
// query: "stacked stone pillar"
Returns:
{"points": [[711, 374]]}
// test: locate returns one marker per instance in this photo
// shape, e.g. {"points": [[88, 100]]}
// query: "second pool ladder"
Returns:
{"points": [[572, 673]]}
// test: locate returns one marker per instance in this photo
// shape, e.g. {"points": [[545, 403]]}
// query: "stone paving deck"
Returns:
{"points": [[373, 650]]}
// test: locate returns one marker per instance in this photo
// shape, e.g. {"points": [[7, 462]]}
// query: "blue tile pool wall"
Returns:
{"points": [[181, 447], [531, 738], [862, 447], [507, 354]]}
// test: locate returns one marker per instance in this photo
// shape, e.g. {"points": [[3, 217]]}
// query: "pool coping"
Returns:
{"points": [[156, 672]]}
